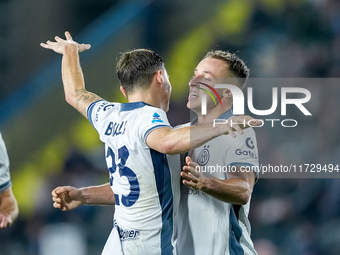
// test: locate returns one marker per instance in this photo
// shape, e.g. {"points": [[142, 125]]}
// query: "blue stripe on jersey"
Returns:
{"points": [[235, 233], [5, 186], [90, 109], [164, 188], [152, 128]]}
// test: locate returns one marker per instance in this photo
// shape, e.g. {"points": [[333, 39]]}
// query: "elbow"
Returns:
{"points": [[244, 197], [70, 99], [168, 148]]}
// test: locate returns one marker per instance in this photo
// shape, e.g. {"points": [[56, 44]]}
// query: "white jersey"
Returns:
{"points": [[5, 180], [208, 225], [139, 177]]}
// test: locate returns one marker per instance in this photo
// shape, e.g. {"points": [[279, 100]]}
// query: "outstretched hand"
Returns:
{"points": [[59, 44], [66, 198]]}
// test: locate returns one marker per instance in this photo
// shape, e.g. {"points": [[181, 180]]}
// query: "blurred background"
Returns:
{"points": [[50, 144]]}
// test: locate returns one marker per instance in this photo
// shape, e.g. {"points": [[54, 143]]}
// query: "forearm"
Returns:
{"points": [[185, 139], [8, 204], [73, 80], [233, 191], [98, 195]]}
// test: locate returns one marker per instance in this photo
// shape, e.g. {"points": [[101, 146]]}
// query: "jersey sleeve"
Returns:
{"points": [[97, 111], [5, 180], [152, 118], [243, 152]]}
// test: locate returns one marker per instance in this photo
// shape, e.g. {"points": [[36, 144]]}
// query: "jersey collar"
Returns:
{"points": [[132, 106]]}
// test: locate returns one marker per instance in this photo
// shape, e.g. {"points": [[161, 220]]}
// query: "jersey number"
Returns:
{"points": [[123, 154]]}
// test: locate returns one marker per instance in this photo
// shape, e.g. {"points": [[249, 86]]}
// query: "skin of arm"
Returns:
{"points": [[235, 190], [68, 198], [72, 75], [181, 140], [8, 208]]}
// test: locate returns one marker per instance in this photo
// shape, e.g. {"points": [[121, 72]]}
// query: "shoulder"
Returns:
{"points": [[101, 105], [153, 114]]}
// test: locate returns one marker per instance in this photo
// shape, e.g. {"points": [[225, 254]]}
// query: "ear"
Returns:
{"points": [[158, 76], [123, 91]]}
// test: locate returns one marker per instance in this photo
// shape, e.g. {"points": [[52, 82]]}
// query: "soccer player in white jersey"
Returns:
{"points": [[214, 205], [137, 136], [8, 204]]}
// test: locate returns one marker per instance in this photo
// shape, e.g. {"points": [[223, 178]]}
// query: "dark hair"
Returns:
{"points": [[236, 65], [136, 68]]}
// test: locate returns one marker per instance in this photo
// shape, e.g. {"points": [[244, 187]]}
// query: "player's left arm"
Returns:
{"points": [[8, 208], [72, 75], [235, 190]]}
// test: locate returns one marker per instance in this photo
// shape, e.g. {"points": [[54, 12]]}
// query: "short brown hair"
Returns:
{"points": [[136, 68], [236, 65]]}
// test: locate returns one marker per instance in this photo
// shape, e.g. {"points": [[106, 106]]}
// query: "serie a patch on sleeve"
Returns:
{"points": [[156, 118]]}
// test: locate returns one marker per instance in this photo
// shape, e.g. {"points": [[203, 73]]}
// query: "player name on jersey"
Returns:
{"points": [[114, 128]]}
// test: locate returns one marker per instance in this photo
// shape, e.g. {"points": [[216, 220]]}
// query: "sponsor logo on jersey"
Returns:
{"points": [[108, 107], [99, 109], [240, 152], [189, 191], [156, 118], [126, 234], [250, 143], [203, 156]]}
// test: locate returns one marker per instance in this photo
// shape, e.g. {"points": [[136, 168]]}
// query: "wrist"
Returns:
{"points": [[204, 184], [82, 196]]}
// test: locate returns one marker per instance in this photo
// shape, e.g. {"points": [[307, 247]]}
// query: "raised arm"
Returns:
{"points": [[74, 86]]}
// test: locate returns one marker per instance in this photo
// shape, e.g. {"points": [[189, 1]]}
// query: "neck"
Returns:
{"points": [[146, 96]]}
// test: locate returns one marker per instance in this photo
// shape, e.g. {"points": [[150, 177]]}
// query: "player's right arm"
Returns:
{"points": [[68, 198], [73, 80], [176, 141]]}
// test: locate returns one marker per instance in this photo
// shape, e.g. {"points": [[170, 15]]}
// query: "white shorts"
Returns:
{"points": [[132, 242]]}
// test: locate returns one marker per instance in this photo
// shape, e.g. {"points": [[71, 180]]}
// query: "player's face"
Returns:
{"points": [[207, 70], [166, 90]]}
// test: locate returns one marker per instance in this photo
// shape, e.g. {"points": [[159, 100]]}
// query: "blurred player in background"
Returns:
{"points": [[8, 204], [137, 135], [214, 205]]}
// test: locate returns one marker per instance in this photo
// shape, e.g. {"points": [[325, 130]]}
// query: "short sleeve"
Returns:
{"points": [[97, 111], [243, 152], [152, 118], [5, 180]]}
